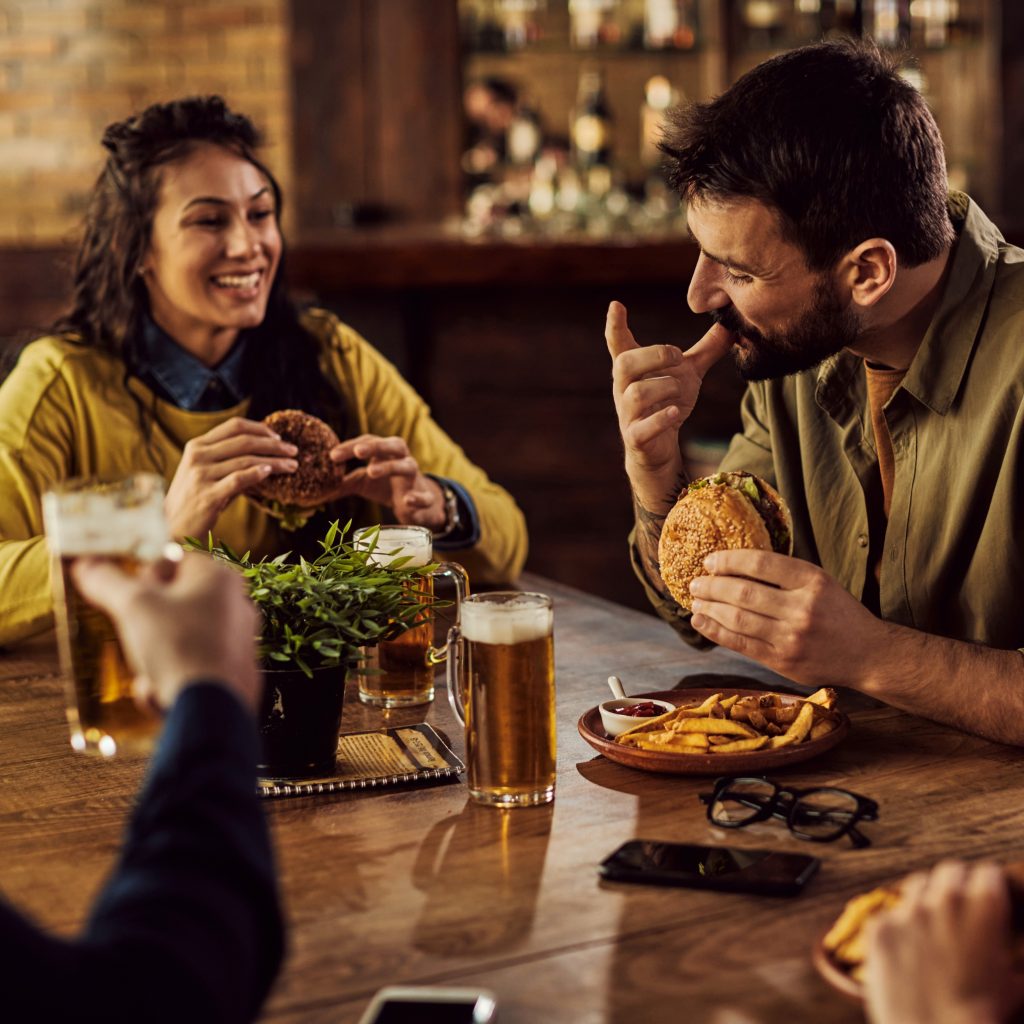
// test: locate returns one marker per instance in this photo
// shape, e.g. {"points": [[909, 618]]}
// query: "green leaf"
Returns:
{"points": [[319, 612]]}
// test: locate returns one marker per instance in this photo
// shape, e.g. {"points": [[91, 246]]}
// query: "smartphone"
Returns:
{"points": [[767, 872], [399, 1004]]}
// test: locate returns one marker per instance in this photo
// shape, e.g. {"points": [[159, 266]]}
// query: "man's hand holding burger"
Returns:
{"points": [[391, 477], [655, 389], [789, 615]]}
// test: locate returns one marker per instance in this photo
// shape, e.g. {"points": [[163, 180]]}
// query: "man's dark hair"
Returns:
{"points": [[833, 138]]}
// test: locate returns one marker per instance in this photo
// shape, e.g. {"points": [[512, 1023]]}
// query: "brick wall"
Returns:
{"points": [[70, 67]]}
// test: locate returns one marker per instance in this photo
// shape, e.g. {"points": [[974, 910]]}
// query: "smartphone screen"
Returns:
{"points": [[420, 1012], [769, 872], [399, 1004]]}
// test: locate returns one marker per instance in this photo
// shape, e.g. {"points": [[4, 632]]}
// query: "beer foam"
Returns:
{"points": [[101, 522], [393, 542], [511, 622]]}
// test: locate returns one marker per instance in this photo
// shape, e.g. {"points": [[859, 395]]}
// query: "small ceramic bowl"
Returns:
{"points": [[615, 724]]}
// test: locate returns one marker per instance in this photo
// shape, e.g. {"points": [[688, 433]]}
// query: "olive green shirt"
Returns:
{"points": [[952, 553]]}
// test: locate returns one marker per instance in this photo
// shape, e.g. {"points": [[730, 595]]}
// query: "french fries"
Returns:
{"points": [[845, 939], [735, 724]]}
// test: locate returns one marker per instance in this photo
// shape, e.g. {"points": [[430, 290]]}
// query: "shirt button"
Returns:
{"points": [[862, 540]]}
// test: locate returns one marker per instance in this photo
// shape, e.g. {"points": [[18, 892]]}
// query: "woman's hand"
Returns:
{"points": [[218, 466], [391, 477]]}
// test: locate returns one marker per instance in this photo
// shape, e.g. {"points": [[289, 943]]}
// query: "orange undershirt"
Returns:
{"points": [[882, 383]]}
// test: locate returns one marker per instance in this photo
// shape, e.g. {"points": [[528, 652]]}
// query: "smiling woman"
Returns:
{"points": [[181, 340], [213, 252]]}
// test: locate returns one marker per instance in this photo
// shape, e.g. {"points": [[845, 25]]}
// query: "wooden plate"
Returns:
{"points": [[706, 764], [835, 975]]}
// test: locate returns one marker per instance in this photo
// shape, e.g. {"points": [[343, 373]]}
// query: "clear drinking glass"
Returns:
{"points": [[123, 521], [501, 681], [400, 672]]}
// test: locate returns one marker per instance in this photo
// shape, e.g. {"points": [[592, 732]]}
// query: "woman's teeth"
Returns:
{"points": [[238, 280]]}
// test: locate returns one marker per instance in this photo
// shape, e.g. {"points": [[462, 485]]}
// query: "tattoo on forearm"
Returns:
{"points": [[648, 533]]}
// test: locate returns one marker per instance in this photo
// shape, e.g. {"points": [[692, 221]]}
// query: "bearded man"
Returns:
{"points": [[879, 321]]}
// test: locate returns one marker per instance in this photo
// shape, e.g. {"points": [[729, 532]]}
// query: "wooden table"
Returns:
{"points": [[420, 886]]}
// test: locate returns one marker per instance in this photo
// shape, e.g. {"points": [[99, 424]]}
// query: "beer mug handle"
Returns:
{"points": [[454, 673], [437, 655]]}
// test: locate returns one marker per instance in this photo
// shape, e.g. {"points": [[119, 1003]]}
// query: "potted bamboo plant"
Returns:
{"points": [[316, 615]]}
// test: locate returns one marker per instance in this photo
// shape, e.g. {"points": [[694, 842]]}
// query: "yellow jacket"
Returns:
{"points": [[65, 412]]}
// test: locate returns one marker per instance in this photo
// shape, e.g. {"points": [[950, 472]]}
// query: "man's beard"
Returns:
{"points": [[825, 329]]}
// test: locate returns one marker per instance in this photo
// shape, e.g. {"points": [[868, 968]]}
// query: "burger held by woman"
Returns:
{"points": [[182, 340]]}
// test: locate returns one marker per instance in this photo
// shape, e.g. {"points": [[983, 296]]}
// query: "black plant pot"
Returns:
{"points": [[299, 722]]}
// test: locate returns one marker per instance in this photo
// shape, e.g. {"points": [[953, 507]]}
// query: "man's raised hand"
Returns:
{"points": [[655, 389]]}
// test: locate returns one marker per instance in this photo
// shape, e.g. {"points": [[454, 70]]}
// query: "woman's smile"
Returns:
{"points": [[214, 250]]}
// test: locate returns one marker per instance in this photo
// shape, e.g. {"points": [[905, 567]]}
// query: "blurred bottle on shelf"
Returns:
{"points": [[480, 25], [594, 23], [659, 97], [524, 137], [806, 21], [670, 24], [521, 22], [591, 124], [890, 23], [764, 23], [934, 22]]}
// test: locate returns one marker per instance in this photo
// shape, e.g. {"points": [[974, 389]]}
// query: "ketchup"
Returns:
{"points": [[645, 709]]}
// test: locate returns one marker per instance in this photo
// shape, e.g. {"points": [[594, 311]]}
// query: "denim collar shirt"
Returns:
{"points": [[177, 376]]}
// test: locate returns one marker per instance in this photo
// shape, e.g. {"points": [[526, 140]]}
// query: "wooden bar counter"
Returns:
{"points": [[420, 886]]}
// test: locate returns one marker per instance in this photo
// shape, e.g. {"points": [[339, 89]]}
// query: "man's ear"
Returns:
{"points": [[869, 271]]}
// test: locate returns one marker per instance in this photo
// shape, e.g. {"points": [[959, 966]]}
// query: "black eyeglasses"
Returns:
{"points": [[821, 814]]}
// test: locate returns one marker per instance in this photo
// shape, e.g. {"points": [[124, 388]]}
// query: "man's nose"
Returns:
{"points": [[705, 292]]}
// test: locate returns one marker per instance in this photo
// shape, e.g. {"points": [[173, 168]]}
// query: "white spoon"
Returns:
{"points": [[616, 687]]}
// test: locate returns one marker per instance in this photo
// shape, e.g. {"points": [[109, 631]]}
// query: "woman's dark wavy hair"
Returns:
{"points": [[833, 138], [110, 299]]}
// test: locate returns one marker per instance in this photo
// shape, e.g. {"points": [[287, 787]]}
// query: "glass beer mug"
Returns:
{"points": [[400, 672], [123, 521], [501, 682]]}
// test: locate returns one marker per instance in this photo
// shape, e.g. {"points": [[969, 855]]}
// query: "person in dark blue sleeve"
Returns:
{"points": [[188, 927]]}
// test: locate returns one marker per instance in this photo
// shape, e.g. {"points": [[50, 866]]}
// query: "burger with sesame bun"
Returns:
{"points": [[720, 513], [294, 497]]}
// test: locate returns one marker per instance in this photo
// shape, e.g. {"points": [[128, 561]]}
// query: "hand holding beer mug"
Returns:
{"points": [[124, 522], [400, 672], [501, 681]]}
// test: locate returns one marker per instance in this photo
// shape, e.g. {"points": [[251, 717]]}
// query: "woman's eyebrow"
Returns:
{"points": [[218, 201]]}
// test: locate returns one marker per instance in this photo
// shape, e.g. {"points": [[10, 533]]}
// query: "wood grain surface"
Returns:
{"points": [[419, 886]]}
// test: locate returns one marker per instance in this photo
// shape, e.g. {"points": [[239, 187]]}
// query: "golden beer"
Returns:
{"points": [[102, 712], [400, 672], [508, 672], [395, 673], [123, 522]]}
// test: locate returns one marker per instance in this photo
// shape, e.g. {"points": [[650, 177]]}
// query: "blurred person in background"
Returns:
{"points": [[878, 318], [182, 339], [188, 927], [490, 105]]}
